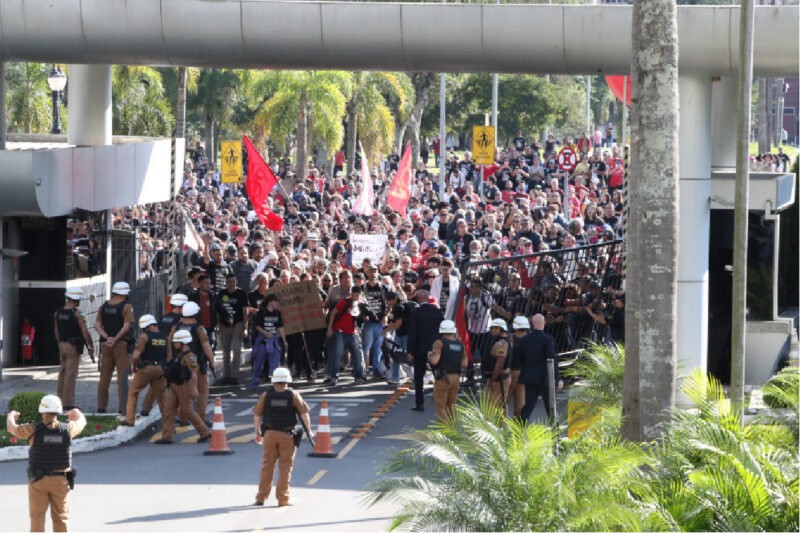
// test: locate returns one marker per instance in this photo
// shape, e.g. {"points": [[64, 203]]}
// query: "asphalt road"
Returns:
{"points": [[143, 486]]}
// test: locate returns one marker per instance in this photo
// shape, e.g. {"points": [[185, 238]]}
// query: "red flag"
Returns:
{"points": [[617, 86], [461, 323], [260, 181], [401, 186]]}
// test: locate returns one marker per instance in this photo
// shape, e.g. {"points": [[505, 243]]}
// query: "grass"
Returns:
{"points": [[95, 425]]}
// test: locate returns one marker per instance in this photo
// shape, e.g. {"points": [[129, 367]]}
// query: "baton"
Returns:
{"points": [[308, 433]]}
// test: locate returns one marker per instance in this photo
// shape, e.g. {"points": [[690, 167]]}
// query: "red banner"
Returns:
{"points": [[260, 181], [400, 192], [617, 86], [461, 323]]}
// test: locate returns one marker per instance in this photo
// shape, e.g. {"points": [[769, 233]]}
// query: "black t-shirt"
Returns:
{"points": [[217, 274], [492, 195], [269, 320], [597, 166], [401, 310], [374, 295], [393, 159], [254, 298], [519, 143], [461, 244], [410, 277], [422, 174], [444, 295], [234, 304]]}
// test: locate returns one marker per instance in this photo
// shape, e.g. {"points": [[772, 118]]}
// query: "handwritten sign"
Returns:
{"points": [[300, 305], [370, 247]]}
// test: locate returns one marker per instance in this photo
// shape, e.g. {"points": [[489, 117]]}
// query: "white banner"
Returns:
{"points": [[368, 246]]}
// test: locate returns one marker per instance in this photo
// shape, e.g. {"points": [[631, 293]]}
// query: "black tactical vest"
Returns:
{"points": [[450, 359], [490, 360], [51, 448], [167, 322], [112, 317], [175, 372], [155, 351], [279, 411], [67, 324], [195, 346]]}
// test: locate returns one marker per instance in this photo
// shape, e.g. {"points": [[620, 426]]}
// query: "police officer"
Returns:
{"points": [[496, 372], [114, 321], [516, 392], [447, 357], [71, 335], [274, 418], [165, 325], [50, 475], [181, 373], [149, 358], [201, 347]]}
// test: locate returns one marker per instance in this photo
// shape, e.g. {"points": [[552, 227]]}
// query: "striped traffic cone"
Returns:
{"points": [[323, 447], [219, 439]]}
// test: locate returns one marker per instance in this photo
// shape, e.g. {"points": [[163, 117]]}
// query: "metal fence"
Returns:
{"points": [[559, 284]]}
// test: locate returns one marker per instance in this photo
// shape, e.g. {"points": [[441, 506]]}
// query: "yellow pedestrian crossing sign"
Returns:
{"points": [[482, 145], [231, 170]]}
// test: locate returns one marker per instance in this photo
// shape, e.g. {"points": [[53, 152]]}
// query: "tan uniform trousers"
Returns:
{"points": [[516, 392], [116, 358], [52, 491], [202, 394], [498, 390], [179, 400], [444, 395], [68, 374], [152, 375], [278, 446]]}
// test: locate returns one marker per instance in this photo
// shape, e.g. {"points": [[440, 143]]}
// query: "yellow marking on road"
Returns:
{"points": [[282, 509], [316, 477], [347, 448], [178, 431]]}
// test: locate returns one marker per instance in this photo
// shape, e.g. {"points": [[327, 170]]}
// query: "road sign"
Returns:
{"points": [[567, 159], [231, 161], [482, 145]]}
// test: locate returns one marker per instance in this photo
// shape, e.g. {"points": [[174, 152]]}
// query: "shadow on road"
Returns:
{"points": [[198, 513]]}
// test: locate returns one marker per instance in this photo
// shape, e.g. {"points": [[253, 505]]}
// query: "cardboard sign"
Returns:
{"points": [[231, 170], [370, 247], [300, 305], [483, 145]]}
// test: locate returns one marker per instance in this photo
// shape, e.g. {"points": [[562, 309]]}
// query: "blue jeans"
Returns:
{"points": [[341, 341], [402, 340], [372, 344]]}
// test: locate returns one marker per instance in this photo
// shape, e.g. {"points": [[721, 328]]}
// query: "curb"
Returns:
{"points": [[111, 439]]}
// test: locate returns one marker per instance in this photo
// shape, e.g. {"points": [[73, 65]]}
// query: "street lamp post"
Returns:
{"points": [[57, 80]]}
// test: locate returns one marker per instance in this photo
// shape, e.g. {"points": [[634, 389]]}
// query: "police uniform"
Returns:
{"points": [[199, 337], [165, 325], [447, 372], [278, 412], [498, 389], [70, 346], [179, 395], [516, 391], [153, 348], [49, 460], [113, 318]]}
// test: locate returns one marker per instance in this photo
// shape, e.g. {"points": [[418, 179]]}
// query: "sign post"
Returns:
{"points": [[567, 161], [231, 170]]}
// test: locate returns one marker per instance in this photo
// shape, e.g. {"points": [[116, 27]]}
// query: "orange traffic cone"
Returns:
{"points": [[219, 439], [323, 447]]}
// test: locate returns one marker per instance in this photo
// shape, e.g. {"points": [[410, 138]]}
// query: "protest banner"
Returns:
{"points": [[300, 305], [370, 247]]}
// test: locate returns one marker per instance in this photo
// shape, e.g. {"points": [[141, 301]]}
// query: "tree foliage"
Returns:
{"points": [[140, 106], [29, 101]]}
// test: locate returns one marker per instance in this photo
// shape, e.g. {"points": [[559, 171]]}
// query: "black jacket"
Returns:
{"points": [[423, 329], [537, 346]]}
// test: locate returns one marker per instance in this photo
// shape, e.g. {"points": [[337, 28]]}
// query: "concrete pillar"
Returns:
{"points": [[89, 89], [694, 221], [724, 123], [2, 106]]}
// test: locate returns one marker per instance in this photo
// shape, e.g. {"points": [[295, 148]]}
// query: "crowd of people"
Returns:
{"points": [[504, 235]]}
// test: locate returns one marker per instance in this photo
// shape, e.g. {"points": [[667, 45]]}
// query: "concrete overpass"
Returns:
{"points": [[91, 35]]}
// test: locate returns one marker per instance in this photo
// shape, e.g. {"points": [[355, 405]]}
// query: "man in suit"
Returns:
{"points": [[423, 331], [537, 347]]}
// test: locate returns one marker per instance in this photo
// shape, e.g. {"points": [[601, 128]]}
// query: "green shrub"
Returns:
{"points": [[781, 391], [27, 403]]}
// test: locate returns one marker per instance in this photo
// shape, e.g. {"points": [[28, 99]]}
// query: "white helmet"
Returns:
{"points": [[177, 300], [190, 309], [74, 293], [121, 288], [182, 335], [147, 320], [50, 404], [498, 323], [520, 322], [447, 327], [281, 375]]}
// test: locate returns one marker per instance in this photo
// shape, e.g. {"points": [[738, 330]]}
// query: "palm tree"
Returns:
{"points": [[369, 117], [598, 372], [139, 103], [29, 103], [187, 81], [215, 90], [308, 104], [652, 236]]}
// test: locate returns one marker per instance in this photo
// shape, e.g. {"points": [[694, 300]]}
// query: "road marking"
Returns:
{"points": [[347, 448], [401, 436], [178, 431], [317, 477]]}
